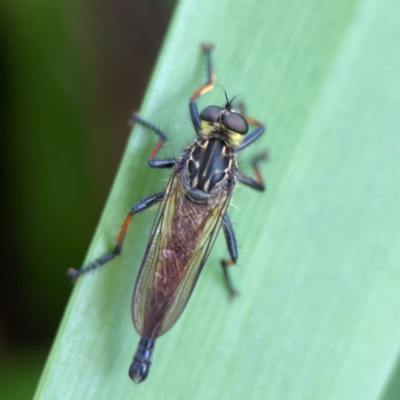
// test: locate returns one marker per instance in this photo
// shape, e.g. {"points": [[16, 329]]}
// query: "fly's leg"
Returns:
{"points": [[253, 136], [168, 163], [232, 248], [258, 183], [209, 85], [142, 205]]}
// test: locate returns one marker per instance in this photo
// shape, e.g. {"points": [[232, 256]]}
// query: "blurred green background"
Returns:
{"points": [[321, 312], [71, 74]]}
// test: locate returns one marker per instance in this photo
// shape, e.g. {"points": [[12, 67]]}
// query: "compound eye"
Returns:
{"points": [[236, 123], [211, 114]]}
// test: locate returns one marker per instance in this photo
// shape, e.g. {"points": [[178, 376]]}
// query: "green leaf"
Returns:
{"points": [[319, 269]]}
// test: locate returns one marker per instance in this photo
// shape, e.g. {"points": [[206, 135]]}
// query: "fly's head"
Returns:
{"points": [[224, 122]]}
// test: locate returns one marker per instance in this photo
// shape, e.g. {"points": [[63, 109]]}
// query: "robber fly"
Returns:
{"points": [[190, 214]]}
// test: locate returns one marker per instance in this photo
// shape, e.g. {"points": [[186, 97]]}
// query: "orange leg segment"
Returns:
{"points": [[142, 205]]}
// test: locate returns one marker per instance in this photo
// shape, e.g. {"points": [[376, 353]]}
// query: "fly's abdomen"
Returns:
{"points": [[140, 366]]}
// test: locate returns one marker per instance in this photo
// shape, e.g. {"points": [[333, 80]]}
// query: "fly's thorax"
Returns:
{"points": [[208, 167]]}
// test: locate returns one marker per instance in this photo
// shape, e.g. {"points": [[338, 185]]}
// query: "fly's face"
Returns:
{"points": [[207, 168], [224, 122]]}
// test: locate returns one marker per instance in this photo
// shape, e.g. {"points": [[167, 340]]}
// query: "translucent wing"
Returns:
{"points": [[180, 242]]}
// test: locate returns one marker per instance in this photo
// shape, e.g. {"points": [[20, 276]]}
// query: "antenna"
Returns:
{"points": [[228, 103]]}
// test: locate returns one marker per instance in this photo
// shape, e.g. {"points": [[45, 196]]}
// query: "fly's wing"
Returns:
{"points": [[181, 240]]}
